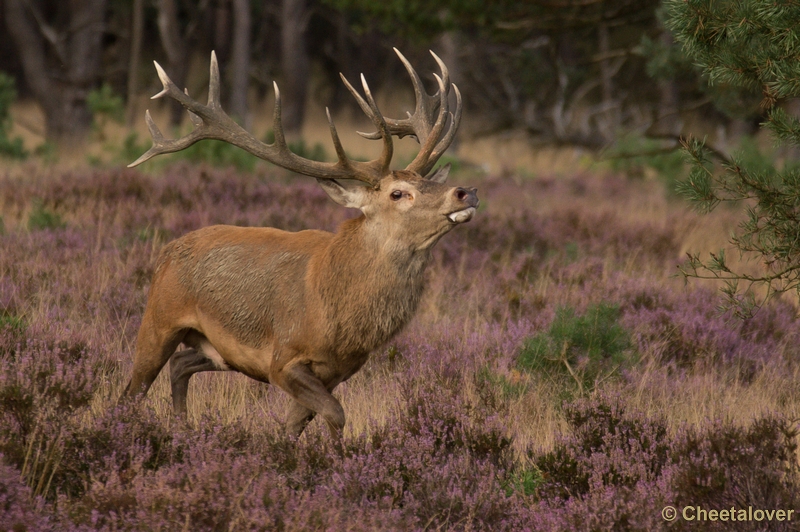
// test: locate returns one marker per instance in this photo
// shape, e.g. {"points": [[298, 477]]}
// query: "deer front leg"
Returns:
{"points": [[182, 366], [298, 418], [311, 397]]}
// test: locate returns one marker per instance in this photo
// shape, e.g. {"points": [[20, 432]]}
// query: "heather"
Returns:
{"points": [[557, 375]]}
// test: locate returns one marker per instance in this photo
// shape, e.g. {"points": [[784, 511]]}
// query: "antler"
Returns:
{"points": [[211, 122], [432, 123]]}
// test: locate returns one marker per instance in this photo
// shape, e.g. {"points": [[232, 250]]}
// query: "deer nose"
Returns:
{"points": [[470, 197]]}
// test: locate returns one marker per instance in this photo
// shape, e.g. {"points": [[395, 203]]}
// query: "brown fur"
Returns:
{"points": [[302, 310], [298, 310]]}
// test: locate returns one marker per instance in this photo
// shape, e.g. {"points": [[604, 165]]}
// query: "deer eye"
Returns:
{"points": [[397, 194]]}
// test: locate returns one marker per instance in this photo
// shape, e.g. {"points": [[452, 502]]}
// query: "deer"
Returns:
{"points": [[302, 310]]}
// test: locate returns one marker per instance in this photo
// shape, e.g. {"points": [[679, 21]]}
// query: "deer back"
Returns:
{"points": [[250, 281]]}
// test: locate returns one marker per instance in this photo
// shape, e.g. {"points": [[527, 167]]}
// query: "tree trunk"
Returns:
{"points": [[450, 56], [222, 29], [240, 64], [137, 31], [606, 85], [175, 46], [62, 71], [668, 121], [608, 119], [295, 64], [344, 60]]}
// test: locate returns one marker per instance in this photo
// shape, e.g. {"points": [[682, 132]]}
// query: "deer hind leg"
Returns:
{"points": [[182, 366], [311, 397], [153, 350], [201, 356]]}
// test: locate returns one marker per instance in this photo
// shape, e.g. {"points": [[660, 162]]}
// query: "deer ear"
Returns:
{"points": [[346, 194], [440, 175]]}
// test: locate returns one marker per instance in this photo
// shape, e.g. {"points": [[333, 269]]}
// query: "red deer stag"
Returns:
{"points": [[302, 310]]}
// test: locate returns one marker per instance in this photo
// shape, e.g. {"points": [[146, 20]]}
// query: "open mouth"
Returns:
{"points": [[461, 216]]}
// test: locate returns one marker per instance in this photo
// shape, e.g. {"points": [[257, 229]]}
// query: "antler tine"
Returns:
{"points": [[337, 145], [370, 108], [423, 158], [213, 83], [445, 73], [430, 118], [424, 103], [447, 139], [201, 116], [424, 106], [165, 81], [380, 122], [196, 120], [361, 102], [211, 122], [158, 138], [277, 126]]}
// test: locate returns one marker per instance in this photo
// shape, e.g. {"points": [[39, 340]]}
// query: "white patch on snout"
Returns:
{"points": [[213, 355], [462, 216]]}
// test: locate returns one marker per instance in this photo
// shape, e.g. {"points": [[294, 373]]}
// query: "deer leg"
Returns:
{"points": [[298, 418], [153, 350], [308, 391], [182, 366]]}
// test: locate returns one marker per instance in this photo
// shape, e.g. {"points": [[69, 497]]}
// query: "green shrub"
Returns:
{"points": [[43, 218], [488, 384], [11, 148], [524, 481], [47, 151], [105, 105], [12, 321], [131, 148], [315, 152], [584, 349], [219, 154], [633, 155], [13, 329]]}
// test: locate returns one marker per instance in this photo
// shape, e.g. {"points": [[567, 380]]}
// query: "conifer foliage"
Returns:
{"points": [[753, 46]]}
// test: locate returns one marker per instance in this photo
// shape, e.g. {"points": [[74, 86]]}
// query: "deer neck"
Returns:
{"points": [[370, 285], [368, 255]]}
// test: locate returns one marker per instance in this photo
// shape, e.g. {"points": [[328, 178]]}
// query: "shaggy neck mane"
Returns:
{"points": [[370, 288]]}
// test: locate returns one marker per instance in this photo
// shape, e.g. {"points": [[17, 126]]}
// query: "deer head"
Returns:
{"points": [[303, 310]]}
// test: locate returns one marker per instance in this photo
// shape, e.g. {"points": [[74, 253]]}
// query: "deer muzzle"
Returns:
{"points": [[469, 198]]}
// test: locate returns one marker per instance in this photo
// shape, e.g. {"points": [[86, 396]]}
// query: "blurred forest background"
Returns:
{"points": [[580, 73]]}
